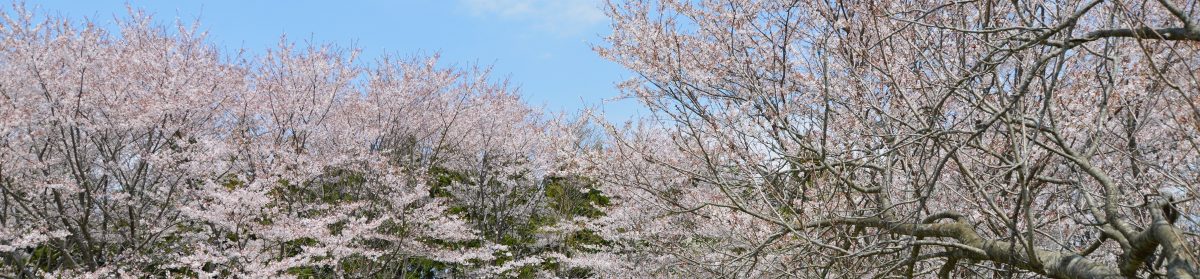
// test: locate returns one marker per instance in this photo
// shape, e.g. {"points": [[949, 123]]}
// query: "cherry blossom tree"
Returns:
{"points": [[787, 138], [903, 139], [148, 152]]}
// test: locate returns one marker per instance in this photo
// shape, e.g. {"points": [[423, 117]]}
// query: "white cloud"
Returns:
{"points": [[560, 16]]}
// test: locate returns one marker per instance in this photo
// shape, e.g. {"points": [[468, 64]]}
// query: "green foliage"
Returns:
{"points": [[442, 179], [306, 272], [232, 183], [579, 239], [295, 247], [575, 196], [334, 187], [44, 257], [421, 268]]}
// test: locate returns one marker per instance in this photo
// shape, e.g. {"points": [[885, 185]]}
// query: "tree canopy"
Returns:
{"points": [[810, 139]]}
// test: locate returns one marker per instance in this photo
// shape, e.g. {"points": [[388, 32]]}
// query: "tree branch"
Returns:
{"points": [[1047, 262]]}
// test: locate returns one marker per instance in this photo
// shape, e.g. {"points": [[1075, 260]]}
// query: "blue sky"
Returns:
{"points": [[543, 46]]}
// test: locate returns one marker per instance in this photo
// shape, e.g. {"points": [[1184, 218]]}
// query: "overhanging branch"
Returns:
{"points": [[1147, 33], [1169, 34], [1047, 262]]}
